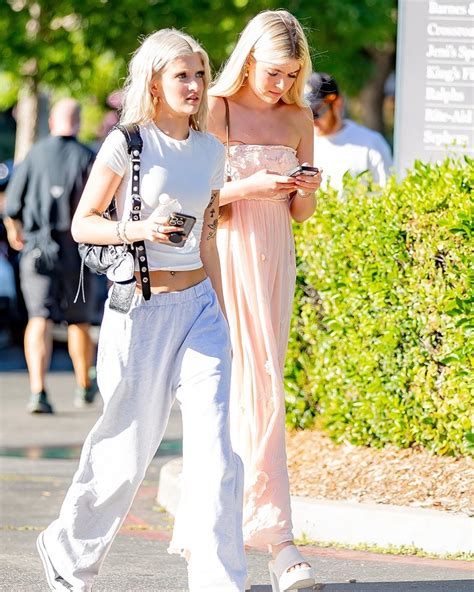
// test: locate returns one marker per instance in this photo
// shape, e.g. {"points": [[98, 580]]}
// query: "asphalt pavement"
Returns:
{"points": [[38, 456]]}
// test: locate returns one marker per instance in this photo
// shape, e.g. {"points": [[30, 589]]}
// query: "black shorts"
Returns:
{"points": [[51, 295]]}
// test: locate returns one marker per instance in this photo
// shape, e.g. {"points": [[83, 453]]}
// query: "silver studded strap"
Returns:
{"points": [[135, 146]]}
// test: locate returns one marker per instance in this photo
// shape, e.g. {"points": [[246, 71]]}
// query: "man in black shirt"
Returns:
{"points": [[40, 202]]}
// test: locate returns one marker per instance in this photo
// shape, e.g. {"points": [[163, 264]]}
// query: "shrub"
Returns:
{"points": [[381, 348]]}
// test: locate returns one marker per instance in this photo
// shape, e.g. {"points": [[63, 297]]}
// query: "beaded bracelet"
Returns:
{"points": [[121, 233], [118, 233], [126, 240]]}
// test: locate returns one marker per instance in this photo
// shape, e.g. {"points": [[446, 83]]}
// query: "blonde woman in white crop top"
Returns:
{"points": [[174, 345], [177, 159]]}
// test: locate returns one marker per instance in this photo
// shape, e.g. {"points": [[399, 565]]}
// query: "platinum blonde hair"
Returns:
{"points": [[273, 36], [154, 54]]}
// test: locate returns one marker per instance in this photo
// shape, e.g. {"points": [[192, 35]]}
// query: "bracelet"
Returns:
{"points": [[117, 232], [120, 231], [304, 194], [126, 240]]}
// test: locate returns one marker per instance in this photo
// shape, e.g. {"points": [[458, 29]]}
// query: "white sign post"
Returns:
{"points": [[434, 114]]}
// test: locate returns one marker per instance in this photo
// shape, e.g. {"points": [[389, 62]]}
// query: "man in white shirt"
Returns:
{"points": [[341, 145]]}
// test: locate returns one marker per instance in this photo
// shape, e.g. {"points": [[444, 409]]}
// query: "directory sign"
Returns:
{"points": [[434, 114]]}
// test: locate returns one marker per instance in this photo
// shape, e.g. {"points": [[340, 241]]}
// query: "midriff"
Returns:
{"points": [[167, 281]]}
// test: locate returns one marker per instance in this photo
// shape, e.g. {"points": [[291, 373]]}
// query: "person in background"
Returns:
{"points": [[40, 201], [340, 144], [8, 288]]}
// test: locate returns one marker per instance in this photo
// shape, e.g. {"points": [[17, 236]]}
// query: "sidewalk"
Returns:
{"points": [[38, 459], [353, 523]]}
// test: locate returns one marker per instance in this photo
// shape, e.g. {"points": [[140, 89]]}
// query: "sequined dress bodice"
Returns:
{"points": [[246, 159]]}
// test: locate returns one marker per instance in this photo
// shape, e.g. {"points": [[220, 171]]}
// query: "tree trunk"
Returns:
{"points": [[26, 119], [372, 95]]}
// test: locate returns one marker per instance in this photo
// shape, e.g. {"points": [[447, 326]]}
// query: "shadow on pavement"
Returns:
{"points": [[426, 586], [167, 448]]}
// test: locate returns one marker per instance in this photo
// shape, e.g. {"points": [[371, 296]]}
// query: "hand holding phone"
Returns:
{"points": [[307, 179], [303, 169], [185, 223]]}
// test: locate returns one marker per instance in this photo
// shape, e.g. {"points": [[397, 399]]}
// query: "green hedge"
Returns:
{"points": [[381, 348]]}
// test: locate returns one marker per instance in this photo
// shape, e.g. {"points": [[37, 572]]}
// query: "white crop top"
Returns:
{"points": [[187, 170]]}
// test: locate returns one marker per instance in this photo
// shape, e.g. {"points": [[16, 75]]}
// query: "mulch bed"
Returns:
{"points": [[410, 477]]}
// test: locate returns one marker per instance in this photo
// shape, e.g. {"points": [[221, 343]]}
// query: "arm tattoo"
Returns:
{"points": [[213, 226], [214, 195], [212, 213]]}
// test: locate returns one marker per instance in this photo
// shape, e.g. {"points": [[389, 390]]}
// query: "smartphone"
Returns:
{"points": [[183, 221], [303, 169]]}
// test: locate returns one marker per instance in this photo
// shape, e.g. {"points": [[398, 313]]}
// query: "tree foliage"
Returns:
{"points": [[346, 33], [62, 42], [81, 47]]}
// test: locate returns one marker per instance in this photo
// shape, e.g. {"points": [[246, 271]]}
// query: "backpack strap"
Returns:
{"points": [[133, 137], [135, 147]]}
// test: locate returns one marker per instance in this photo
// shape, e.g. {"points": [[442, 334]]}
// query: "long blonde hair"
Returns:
{"points": [[273, 36], [157, 51]]}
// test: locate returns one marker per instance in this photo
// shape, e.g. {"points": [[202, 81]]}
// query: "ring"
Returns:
{"points": [[159, 228]]}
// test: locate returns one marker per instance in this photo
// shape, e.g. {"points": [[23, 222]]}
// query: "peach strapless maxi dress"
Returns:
{"points": [[257, 255]]}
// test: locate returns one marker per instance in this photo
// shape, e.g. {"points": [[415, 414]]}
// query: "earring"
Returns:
{"points": [[156, 100]]}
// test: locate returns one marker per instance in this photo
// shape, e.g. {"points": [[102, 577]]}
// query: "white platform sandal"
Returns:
{"points": [[299, 577]]}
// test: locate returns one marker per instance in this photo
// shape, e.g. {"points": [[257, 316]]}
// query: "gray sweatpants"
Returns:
{"points": [[175, 345]]}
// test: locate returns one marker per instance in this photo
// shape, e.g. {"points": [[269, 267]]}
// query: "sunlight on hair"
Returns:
{"points": [[273, 36], [154, 54]]}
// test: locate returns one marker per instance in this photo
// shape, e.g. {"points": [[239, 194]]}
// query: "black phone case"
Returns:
{"points": [[300, 170], [187, 225]]}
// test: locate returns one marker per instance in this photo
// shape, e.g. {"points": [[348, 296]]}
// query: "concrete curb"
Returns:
{"points": [[355, 523]]}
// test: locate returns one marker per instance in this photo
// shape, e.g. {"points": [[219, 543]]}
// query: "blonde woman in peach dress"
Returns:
{"points": [[257, 110]]}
